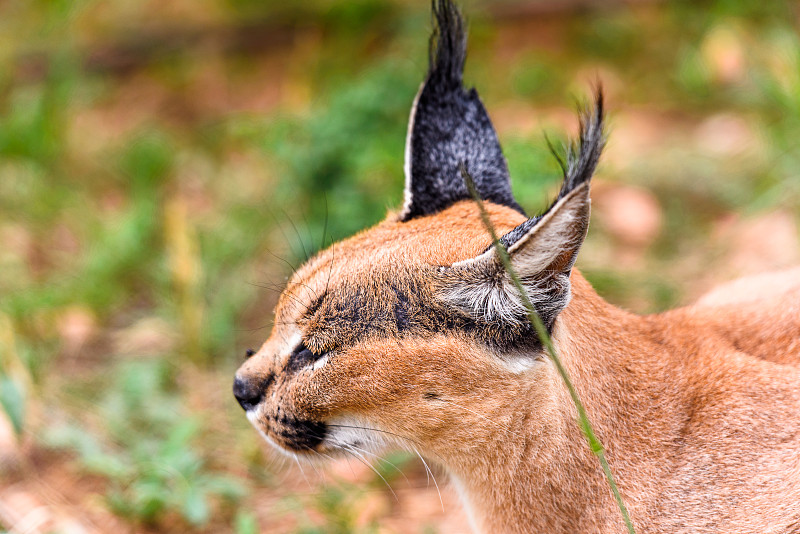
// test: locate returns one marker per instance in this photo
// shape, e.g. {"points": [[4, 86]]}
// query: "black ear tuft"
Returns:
{"points": [[449, 127], [581, 162], [582, 159], [542, 250], [447, 50]]}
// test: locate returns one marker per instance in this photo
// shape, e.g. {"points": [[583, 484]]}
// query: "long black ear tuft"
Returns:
{"points": [[542, 250], [581, 161], [447, 49], [449, 127]]}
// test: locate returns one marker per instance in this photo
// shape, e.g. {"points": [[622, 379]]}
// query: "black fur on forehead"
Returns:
{"points": [[396, 305], [449, 127]]}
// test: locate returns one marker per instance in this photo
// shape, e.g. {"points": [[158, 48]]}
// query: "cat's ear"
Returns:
{"points": [[542, 250], [448, 127]]}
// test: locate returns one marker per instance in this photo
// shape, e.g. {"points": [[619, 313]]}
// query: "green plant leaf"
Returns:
{"points": [[12, 398], [195, 506], [179, 439], [245, 523]]}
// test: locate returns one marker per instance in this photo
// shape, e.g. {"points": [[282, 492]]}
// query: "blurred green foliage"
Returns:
{"points": [[12, 400], [151, 175], [340, 513], [149, 454], [346, 154]]}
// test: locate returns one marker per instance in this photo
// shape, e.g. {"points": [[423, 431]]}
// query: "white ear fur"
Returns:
{"points": [[407, 190], [543, 259], [559, 232]]}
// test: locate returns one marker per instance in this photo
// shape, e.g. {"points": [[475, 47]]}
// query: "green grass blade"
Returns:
{"points": [[594, 442]]}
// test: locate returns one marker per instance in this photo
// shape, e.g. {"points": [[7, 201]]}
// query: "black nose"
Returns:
{"points": [[248, 392]]}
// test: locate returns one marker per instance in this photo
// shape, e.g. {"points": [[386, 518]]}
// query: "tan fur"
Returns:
{"points": [[698, 407]]}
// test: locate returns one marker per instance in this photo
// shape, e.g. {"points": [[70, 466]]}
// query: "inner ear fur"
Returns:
{"points": [[542, 256], [543, 249], [551, 246]]}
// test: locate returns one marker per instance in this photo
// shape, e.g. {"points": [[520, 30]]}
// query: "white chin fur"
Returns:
{"points": [[346, 433], [251, 416]]}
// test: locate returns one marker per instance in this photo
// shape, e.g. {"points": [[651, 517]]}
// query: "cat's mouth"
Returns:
{"points": [[290, 434], [310, 439]]}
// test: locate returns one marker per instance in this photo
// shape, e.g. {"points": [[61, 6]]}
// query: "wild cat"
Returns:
{"points": [[411, 335]]}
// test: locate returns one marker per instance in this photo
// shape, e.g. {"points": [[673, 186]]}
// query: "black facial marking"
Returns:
{"points": [[352, 311], [300, 357], [401, 311], [399, 305], [302, 435], [314, 306], [267, 382], [249, 352]]}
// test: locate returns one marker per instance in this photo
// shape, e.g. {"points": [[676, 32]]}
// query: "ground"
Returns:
{"points": [[164, 166]]}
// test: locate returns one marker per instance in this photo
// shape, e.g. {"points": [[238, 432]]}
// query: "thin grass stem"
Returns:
{"points": [[595, 445]]}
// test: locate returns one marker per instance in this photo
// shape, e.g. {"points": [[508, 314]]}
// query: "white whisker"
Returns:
{"points": [[368, 464], [430, 474]]}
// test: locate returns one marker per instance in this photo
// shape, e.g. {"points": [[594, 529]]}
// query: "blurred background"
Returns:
{"points": [[165, 165]]}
